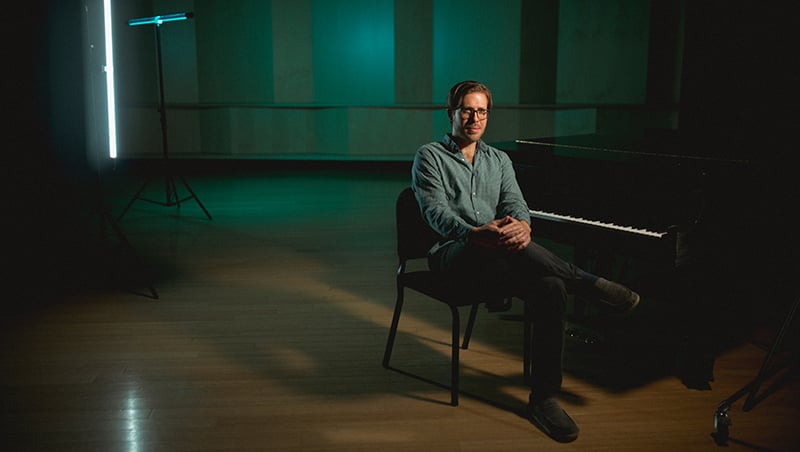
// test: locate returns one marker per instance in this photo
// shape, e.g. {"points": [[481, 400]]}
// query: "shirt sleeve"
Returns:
{"points": [[427, 181]]}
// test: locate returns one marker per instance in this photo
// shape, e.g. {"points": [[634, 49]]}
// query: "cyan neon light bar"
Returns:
{"points": [[158, 20], [109, 68]]}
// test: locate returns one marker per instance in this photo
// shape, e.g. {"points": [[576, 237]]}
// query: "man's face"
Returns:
{"points": [[469, 121]]}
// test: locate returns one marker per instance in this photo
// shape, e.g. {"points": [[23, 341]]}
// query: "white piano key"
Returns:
{"points": [[611, 226]]}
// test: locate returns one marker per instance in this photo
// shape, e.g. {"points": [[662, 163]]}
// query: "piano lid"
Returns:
{"points": [[647, 145], [651, 180]]}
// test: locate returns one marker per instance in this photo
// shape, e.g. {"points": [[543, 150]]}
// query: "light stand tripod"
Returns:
{"points": [[171, 193], [768, 369]]}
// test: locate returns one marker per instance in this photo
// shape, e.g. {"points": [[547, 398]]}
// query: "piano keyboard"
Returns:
{"points": [[549, 216]]}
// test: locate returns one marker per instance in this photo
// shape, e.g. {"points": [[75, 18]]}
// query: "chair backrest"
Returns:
{"points": [[414, 236]]}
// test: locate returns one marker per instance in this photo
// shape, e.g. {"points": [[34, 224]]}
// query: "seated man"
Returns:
{"points": [[468, 193]]}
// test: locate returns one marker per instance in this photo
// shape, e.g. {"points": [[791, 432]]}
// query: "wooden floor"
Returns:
{"points": [[269, 330]]}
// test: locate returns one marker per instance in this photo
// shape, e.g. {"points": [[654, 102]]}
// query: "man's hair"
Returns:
{"points": [[461, 89]]}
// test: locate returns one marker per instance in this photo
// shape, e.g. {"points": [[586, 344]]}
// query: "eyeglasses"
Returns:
{"points": [[467, 113]]}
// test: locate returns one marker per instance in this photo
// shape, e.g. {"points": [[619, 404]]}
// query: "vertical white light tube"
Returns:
{"points": [[109, 68]]}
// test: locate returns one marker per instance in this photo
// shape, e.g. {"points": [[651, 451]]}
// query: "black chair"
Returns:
{"points": [[414, 239]]}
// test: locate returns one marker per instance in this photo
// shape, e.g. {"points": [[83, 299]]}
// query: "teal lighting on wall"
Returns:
{"points": [[353, 49], [109, 70], [472, 40]]}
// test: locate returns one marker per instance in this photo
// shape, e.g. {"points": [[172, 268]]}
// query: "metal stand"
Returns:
{"points": [[722, 421], [108, 220], [171, 196]]}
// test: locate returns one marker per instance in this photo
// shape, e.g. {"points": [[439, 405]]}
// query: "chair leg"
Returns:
{"points": [[455, 341], [473, 312], [527, 345], [454, 364], [398, 307]]}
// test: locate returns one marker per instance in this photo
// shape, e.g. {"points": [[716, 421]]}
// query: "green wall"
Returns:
{"points": [[367, 79]]}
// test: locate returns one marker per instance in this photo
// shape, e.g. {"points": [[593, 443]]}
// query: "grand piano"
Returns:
{"points": [[651, 195], [669, 216]]}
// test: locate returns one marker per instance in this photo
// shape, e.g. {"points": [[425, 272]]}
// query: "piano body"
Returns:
{"points": [[664, 215], [649, 196]]}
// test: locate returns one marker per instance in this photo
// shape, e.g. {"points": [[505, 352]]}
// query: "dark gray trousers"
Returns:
{"points": [[535, 275]]}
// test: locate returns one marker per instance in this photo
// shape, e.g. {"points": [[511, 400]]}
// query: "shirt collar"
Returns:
{"points": [[452, 146]]}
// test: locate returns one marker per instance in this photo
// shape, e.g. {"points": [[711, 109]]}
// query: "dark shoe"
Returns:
{"points": [[618, 297], [553, 420]]}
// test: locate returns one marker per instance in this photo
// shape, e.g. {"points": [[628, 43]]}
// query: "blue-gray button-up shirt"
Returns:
{"points": [[455, 196]]}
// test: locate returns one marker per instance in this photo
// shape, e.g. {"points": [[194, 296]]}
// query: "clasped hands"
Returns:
{"points": [[507, 234]]}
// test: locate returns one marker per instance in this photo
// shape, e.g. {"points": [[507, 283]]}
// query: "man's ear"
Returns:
{"points": [[450, 116]]}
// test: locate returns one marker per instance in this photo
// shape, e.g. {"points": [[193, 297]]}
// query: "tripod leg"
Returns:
{"points": [[722, 421], [133, 199], [186, 184], [172, 192], [122, 238], [766, 371]]}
